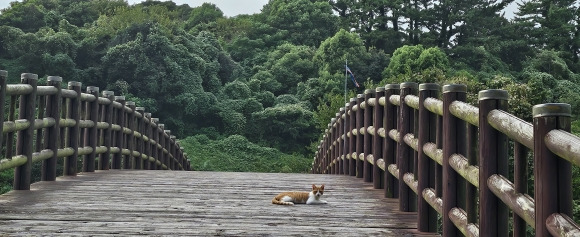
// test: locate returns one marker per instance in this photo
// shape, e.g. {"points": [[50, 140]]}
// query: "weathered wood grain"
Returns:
{"points": [[124, 203]]}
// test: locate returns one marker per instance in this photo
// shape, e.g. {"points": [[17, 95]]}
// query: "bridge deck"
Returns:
{"points": [[199, 203]]}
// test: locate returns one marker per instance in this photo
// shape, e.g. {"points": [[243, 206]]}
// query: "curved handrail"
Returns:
{"points": [[442, 139], [54, 123]]}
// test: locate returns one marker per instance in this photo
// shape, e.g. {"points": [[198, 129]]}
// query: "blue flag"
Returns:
{"points": [[352, 76]]}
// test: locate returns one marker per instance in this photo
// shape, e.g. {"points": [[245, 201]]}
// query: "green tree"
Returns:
{"points": [[302, 22], [547, 24], [204, 14], [287, 127], [287, 66], [410, 60]]}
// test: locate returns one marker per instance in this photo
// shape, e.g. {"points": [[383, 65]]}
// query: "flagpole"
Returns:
{"points": [[345, 78], [344, 151]]}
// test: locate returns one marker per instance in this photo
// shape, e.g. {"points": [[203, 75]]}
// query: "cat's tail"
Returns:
{"points": [[279, 202]]}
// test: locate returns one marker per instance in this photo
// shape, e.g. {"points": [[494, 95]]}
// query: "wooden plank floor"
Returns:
{"points": [[162, 203]]}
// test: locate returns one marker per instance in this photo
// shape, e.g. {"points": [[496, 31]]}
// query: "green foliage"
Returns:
{"points": [[204, 14], [285, 67], [6, 179], [343, 46], [301, 22], [287, 127], [408, 60], [236, 153]]}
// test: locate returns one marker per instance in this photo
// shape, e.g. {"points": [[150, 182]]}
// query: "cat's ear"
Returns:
{"points": [[313, 186], [322, 186]]}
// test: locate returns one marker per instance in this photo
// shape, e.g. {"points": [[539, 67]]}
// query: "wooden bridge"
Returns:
{"points": [[446, 158], [154, 202], [406, 157]]}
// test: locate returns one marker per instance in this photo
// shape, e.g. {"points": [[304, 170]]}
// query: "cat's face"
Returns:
{"points": [[318, 191]]}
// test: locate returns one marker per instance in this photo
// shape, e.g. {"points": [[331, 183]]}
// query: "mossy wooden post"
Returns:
{"points": [[107, 117], [155, 147], [332, 156], [173, 146], [24, 139], [324, 152], [390, 145], [167, 146], [346, 140], [3, 76], [367, 138], [147, 146], [360, 137], [493, 153], [73, 133], [378, 123], [182, 158], [427, 216], [119, 135], [552, 175], [52, 135], [520, 184], [453, 143], [352, 139], [341, 140], [404, 151], [140, 146], [161, 141], [92, 114], [130, 161], [336, 144]]}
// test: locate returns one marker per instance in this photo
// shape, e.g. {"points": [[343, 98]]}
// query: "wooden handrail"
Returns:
{"points": [[465, 146], [58, 135]]}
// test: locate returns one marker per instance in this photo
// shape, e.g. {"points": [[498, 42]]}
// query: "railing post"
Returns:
{"points": [[130, 160], [333, 148], [52, 135], [352, 139], [155, 148], [378, 123], [139, 141], [389, 145], [359, 137], [174, 160], [147, 144], [367, 139], [404, 152], [552, 175], [453, 143], [427, 216], [324, 153], [341, 140], [520, 183], [92, 113], [3, 75], [73, 133], [493, 158], [161, 141], [119, 135], [346, 140], [107, 116], [168, 159], [24, 140]]}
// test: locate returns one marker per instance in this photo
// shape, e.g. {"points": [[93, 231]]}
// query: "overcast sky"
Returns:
{"points": [[236, 7], [229, 7]]}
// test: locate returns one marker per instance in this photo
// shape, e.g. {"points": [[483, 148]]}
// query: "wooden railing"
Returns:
{"points": [[409, 140], [106, 131]]}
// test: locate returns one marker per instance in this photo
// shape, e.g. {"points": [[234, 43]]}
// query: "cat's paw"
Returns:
{"points": [[324, 202]]}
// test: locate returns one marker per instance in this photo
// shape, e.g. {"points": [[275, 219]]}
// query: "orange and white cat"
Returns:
{"points": [[291, 198]]}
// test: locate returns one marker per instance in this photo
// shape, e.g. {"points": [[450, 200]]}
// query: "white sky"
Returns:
{"points": [[229, 7]]}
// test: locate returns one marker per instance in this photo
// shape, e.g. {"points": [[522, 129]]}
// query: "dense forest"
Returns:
{"points": [[254, 92]]}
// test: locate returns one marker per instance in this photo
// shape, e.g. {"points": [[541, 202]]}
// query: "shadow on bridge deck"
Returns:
{"points": [[125, 203]]}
